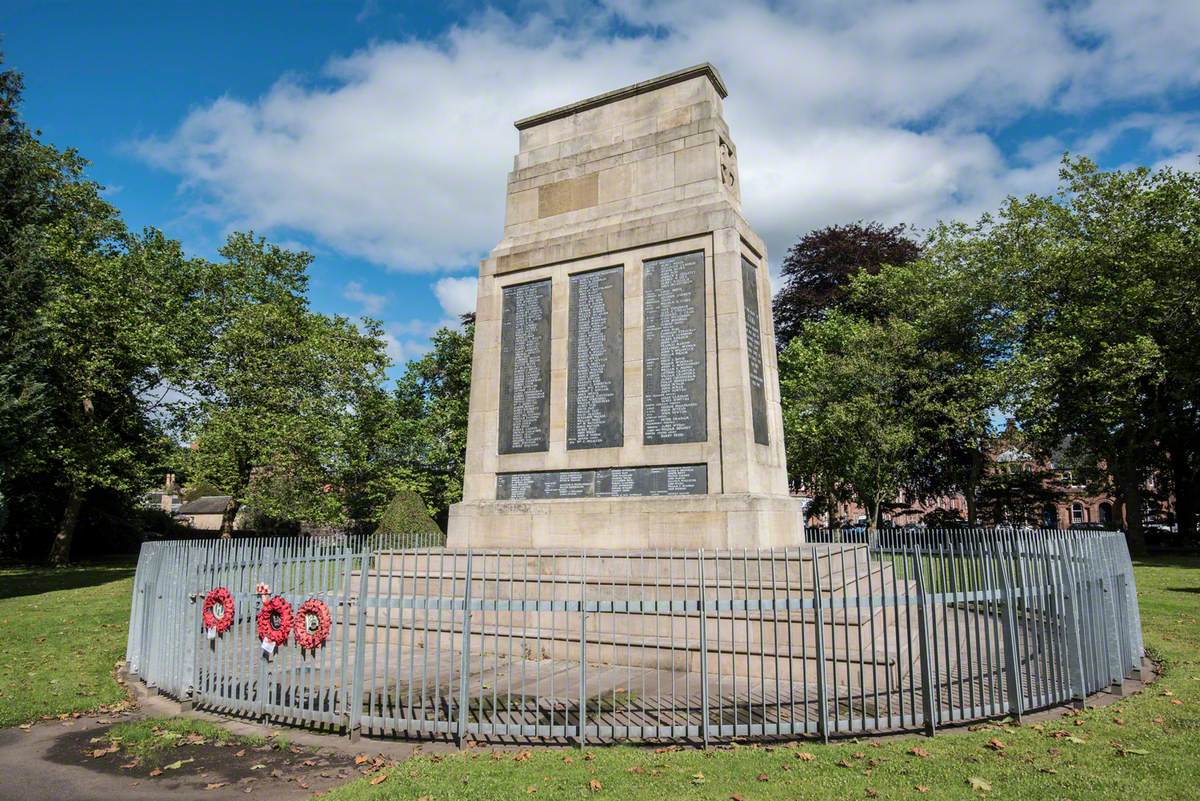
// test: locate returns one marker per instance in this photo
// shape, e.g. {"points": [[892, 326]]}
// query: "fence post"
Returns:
{"points": [[354, 713], [190, 666], [1008, 622], [582, 735], [928, 707], [822, 687], [465, 659], [1072, 622], [703, 654]]}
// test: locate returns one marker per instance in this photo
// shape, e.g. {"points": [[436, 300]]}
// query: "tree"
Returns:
{"points": [[848, 391], [433, 402], [1017, 496], [818, 268], [281, 393], [1101, 307], [948, 300], [86, 332]]}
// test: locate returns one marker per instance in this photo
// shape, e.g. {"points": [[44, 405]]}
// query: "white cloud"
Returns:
{"points": [[842, 110], [456, 295], [372, 304]]}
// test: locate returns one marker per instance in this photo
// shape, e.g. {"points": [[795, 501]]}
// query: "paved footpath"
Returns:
{"points": [[55, 761]]}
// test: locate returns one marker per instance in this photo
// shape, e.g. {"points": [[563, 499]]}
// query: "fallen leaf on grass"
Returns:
{"points": [[379, 778], [996, 745], [530, 790], [594, 785], [917, 751], [697, 778], [177, 764], [872, 793], [156, 772], [635, 769], [762, 777], [920, 788], [360, 759], [844, 763], [805, 756], [522, 756], [981, 785], [567, 760]]}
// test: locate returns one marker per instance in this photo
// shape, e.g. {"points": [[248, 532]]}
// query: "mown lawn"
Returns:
{"points": [[61, 633], [1146, 748]]}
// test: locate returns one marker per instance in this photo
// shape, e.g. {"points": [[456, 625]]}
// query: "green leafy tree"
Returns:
{"points": [[848, 390], [1103, 311], [948, 299], [1017, 496], [86, 332], [282, 393], [433, 401]]}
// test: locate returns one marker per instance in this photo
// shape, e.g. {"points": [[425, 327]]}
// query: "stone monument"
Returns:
{"points": [[625, 390]]}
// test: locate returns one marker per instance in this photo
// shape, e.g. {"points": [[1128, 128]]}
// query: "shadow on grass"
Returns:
{"points": [[18, 581], [1167, 560]]}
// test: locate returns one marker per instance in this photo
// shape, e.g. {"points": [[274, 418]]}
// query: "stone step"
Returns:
{"points": [[788, 563], [731, 656]]}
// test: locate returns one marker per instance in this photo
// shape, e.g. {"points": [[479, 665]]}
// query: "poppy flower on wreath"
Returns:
{"points": [[218, 610], [312, 624], [275, 620]]}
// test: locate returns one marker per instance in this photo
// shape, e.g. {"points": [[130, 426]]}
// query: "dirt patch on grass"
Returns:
{"points": [[265, 770]]}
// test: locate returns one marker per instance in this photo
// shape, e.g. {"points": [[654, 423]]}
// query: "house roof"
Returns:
{"points": [[208, 505]]}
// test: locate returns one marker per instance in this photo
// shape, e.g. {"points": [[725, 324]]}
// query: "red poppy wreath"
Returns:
{"points": [[275, 620], [218, 610], [312, 624]]}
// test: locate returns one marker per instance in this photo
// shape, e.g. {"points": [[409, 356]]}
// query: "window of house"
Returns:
{"points": [[1077, 512]]}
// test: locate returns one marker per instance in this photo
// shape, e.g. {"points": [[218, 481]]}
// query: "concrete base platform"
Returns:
{"points": [[676, 522]]}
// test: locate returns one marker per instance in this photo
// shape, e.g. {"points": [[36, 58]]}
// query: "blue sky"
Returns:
{"points": [[378, 134]]}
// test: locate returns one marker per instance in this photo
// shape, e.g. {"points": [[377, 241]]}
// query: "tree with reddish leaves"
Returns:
{"points": [[817, 269]]}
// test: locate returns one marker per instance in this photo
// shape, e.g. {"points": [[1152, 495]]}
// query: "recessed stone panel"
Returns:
{"points": [[595, 360], [758, 395], [606, 482], [525, 368], [674, 360]]}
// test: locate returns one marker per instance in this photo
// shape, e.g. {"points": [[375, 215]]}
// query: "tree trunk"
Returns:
{"points": [[60, 549], [971, 490], [1185, 483], [1131, 489], [227, 519]]}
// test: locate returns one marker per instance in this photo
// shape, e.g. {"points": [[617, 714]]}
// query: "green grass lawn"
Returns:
{"points": [[61, 633], [1147, 748]]}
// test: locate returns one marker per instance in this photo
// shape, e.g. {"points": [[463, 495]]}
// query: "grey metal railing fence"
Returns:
{"points": [[912, 630]]}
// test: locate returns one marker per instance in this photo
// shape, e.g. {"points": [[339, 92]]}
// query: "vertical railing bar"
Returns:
{"points": [[822, 687], [703, 649], [582, 717], [464, 665]]}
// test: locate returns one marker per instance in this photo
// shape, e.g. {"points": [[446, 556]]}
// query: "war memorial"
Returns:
{"points": [[626, 562], [625, 392]]}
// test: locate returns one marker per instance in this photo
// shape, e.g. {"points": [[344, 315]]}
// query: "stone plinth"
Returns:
{"points": [[625, 389]]}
